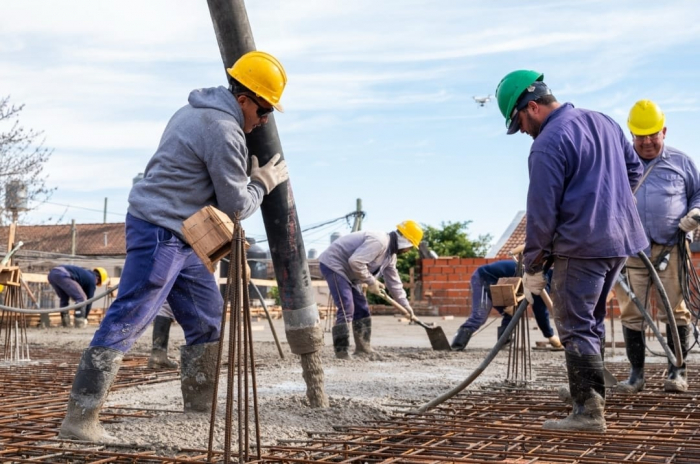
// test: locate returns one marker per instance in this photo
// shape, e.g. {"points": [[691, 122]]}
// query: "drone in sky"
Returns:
{"points": [[482, 101]]}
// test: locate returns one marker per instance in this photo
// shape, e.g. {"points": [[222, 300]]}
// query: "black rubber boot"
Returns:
{"points": [[159, 351], [499, 333], [198, 375], [65, 319], [461, 339], [96, 372], [677, 379], [634, 345], [587, 387], [341, 341], [362, 333]]}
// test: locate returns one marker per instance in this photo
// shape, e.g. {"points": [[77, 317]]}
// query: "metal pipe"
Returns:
{"points": [[299, 310]]}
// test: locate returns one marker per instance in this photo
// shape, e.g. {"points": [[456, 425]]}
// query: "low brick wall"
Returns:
{"points": [[447, 284]]}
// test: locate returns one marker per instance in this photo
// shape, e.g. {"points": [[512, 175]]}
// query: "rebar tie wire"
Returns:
{"points": [[241, 358]]}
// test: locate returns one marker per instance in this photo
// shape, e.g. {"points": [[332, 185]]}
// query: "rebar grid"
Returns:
{"points": [[503, 424]]}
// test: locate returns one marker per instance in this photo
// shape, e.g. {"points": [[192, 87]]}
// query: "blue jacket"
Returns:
{"points": [[582, 172], [671, 189], [86, 279]]}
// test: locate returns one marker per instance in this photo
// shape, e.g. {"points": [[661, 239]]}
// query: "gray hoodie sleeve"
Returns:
{"points": [[227, 164], [392, 279], [363, 255]]}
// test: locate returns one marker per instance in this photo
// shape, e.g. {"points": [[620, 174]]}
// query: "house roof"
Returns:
{"points": [[511, 238], [90, 239], [515, 236]]}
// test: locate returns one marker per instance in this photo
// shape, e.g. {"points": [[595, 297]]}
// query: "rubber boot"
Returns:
{"points": [[80, 322], [461, 340], [96, 372], [341, 341], [564, 393], [198, 375], [587, 387], [159, 351], [362, 333], [677, 379], [499, 333], [65, 319], [634, 345]]}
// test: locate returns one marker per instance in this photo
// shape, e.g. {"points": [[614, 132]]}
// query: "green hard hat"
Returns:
{"points": [[511, 87]]}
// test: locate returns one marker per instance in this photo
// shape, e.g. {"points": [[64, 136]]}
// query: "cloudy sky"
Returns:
{"points": [[378, 105]]}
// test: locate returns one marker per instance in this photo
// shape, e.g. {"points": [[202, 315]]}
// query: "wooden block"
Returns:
{"points": [[10, 275], [209, 232], [504, 292]]}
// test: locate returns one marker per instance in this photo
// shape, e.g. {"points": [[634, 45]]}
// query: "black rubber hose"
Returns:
{"points": [[671, 320], [522, 307], [58, 310]]}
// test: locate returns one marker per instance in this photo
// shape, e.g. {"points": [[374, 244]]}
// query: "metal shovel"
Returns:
{"points": [[437, 337]]}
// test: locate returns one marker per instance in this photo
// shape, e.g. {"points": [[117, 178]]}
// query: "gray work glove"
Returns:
{"points": [[688, 224], [376, 287], [271, 175], [533, 284]]}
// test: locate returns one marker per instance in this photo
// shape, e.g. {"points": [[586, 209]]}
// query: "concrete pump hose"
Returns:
{"points": [[671, 320], [58, 310], [485, 363], [650, 322]]}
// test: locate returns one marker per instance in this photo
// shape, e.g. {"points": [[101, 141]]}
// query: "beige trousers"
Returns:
{"points": [[638, 277]]}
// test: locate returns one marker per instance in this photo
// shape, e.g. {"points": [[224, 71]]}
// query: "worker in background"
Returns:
{"points": [[358, 259], [581, 215], [668, 198], [481, 282], [77, 284], [202, 159]]}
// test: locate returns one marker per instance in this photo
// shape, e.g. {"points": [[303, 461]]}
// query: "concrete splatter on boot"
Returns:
{"points": [[634, 346], [362, 333], [96, 372], [587, 387], [198, 375], [159, 352], [677, 379], [341, 341]]}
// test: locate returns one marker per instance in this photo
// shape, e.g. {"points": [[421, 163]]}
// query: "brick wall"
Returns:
{"points": [[446, 284]]}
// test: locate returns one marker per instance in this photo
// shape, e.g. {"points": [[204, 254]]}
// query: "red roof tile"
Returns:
{"points": [[90, 239]]}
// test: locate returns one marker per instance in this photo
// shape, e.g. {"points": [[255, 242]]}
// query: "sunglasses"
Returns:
{"points": [[262, 111]]}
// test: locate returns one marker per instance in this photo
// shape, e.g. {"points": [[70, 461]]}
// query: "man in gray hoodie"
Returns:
{"points": [[360, 259], [202, 160]]}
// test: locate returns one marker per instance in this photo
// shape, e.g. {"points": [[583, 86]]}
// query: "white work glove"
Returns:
{"points": [[688, 224], [376, 287], [271, 175], [533, 284]]}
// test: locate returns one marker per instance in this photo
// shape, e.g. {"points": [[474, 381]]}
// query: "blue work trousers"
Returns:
{"points": [[160, 266], [481, 282], [351, 303], [580, 287], [66, 288]]}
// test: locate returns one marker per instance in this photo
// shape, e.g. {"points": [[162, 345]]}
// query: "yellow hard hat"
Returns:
{"points": [[263, 74], [646, 118], [102, 272], [2, 288], [411, 231]]}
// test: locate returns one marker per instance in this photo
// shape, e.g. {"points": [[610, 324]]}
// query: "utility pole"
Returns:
{"points": [[73, 234], [104, 218], [299, 311], [359, 214]]}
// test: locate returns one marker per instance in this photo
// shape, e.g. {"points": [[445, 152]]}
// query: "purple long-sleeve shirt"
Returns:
{"points": [[582, 171], [671, 189]]}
